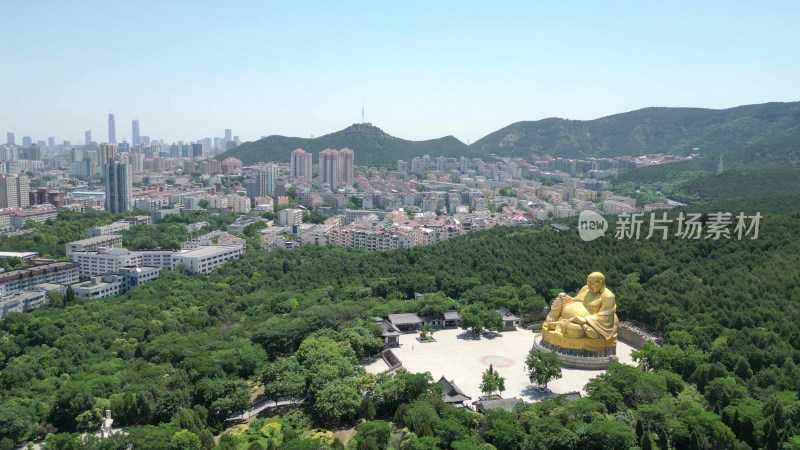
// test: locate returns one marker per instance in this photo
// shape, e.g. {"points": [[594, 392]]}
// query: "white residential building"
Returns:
{"points": [[238, 203], [205, 259], [288, 217]]}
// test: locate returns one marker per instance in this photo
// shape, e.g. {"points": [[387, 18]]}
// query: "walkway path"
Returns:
{"points": [[259, 406]]}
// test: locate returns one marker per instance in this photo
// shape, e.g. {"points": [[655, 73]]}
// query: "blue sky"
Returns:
{"points": [[188, 70]]}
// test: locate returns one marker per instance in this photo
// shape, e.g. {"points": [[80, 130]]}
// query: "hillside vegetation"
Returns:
{"points": [[372, 146], [178, 353], [740, 183], [649, 130], [783, 149]]}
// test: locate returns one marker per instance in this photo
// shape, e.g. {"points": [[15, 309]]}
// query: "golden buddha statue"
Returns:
{"points": [[587, 321]]}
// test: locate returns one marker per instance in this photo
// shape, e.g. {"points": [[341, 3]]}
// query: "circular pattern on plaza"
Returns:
{"points": [[497, 361]]}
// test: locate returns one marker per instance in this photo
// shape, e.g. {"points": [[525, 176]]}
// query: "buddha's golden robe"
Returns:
{"points": [[599, 312]]}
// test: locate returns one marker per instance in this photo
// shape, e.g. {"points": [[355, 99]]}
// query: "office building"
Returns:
{"points": [[329, 167], [87, 138], [14, 191], [301, 164], [119, 186], [137, 138], [26, 141], [10, 139], [112, 131]]}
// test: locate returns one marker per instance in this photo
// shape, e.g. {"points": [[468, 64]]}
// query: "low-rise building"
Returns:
{"points": [[158, 215], [105, 261], [22, 301], [406, 322], [19, 218], [510, 321], [94, 243], [105, 230], [205, 259], [391, 334], [452, 394], [100, 287], [60, 272]]}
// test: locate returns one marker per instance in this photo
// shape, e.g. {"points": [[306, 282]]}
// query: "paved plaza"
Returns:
{"points": [[461, 358]]}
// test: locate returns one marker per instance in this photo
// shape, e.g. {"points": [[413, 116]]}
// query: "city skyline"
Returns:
{"points": [[423, 72]]}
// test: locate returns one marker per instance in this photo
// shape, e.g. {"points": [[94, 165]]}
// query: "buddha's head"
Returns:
{"points": [[596, 282]]}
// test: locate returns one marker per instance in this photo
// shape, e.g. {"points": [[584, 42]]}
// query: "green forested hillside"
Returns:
{"points": [[782, 149], [177, 352], [740, 183], [371, 146], [649, 130]]}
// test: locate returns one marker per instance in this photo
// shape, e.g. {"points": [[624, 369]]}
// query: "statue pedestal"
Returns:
{"points": [[584, 346], [578, 358]]}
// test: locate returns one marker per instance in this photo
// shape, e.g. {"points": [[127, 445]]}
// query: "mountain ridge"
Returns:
{"points": [[372, 146], [648, 130]]}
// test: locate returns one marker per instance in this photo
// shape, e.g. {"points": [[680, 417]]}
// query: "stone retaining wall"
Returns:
{"points": [[635, 334]]}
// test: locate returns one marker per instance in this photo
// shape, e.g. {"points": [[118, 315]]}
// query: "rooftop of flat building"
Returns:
{"points": [[97, 239], [207, 250]]}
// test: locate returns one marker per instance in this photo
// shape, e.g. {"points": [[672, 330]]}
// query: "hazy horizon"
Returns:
{"points": [[190, 70]]}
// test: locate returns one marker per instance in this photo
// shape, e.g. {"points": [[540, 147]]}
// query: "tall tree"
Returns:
{"points": [[543, 367]]}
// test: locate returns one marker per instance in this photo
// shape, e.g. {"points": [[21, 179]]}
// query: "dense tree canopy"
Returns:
{"points": [[172, 353]]}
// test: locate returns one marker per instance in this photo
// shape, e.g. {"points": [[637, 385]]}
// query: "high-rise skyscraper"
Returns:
{"points": [[119, 186], [10, 139], [137, 139], [14, 191], [329, 167], [228, 135], [346, 167], [26, 141], [301, 164], [112, 131], [51, 143], [87, 137], [107, 151]]}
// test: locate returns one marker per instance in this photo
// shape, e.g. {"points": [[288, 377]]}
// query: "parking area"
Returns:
{"points": [[461, 358]]}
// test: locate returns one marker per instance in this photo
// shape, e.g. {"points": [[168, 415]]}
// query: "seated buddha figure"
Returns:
{"points": [[590, 315]]}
